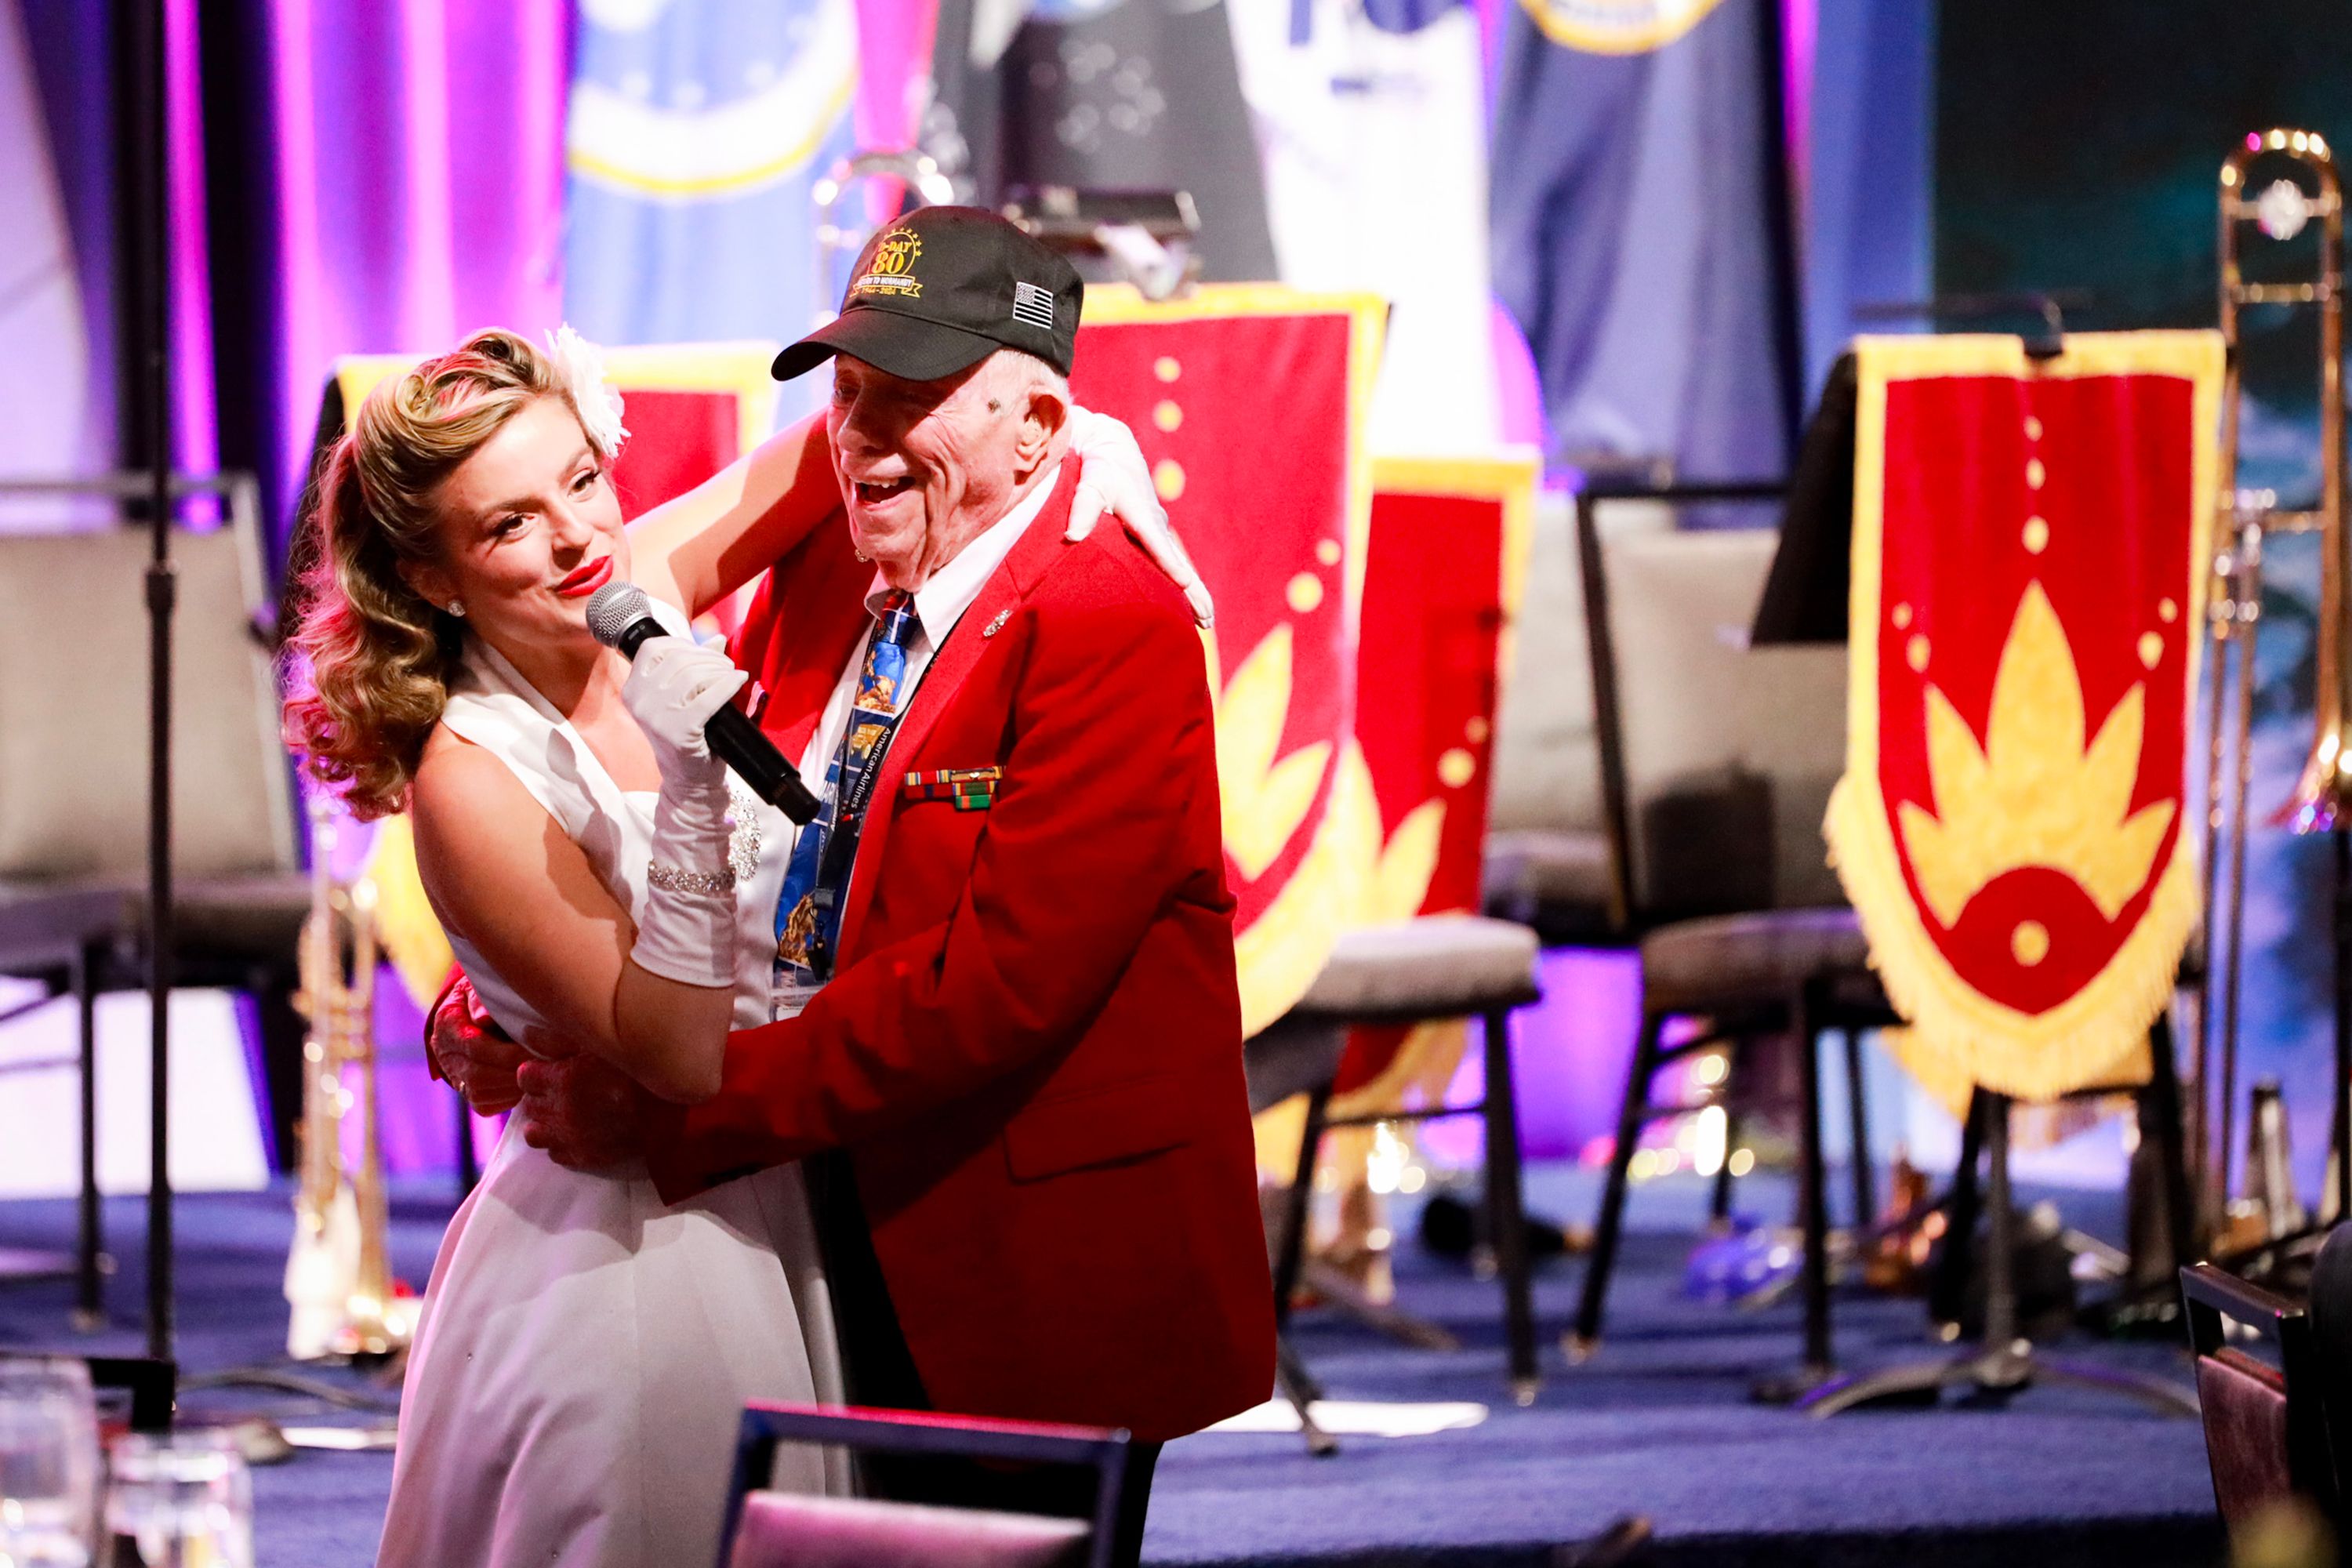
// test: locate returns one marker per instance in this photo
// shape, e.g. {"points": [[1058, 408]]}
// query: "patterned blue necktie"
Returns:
{"points": [[808, 910]]}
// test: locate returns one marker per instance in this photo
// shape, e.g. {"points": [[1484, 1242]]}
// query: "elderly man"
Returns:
{"points": [[1008, 1039]]}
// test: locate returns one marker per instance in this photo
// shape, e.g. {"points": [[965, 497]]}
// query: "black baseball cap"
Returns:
{"points": [[942, 288]]}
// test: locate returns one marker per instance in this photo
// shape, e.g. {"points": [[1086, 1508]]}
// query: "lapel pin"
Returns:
{"points": [[997, 625]]}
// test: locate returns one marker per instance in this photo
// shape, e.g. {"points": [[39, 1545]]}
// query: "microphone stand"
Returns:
{"points": [[144, 122]]}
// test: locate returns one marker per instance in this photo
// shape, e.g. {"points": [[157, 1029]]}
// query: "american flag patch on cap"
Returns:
{"points": [[1034, 305]]}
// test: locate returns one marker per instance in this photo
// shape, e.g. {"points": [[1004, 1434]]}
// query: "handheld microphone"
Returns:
{"points": [[620, 616]]}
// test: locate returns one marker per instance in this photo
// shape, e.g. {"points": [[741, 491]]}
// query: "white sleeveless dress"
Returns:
{"points": [[584, 1353]]}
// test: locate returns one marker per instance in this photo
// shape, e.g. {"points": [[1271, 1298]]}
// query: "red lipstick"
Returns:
{"points": [[586, 578]]}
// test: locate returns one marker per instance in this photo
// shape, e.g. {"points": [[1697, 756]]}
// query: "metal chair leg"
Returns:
{"points": [[1291, 1245], [1300, 1389], [1718, 1202], [1609, 1222], [1857, 1105], [1503, 1211], [1811, 1198], [1295, 1383], [89, 1301]]}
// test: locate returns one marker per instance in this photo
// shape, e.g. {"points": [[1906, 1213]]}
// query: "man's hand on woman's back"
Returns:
{"points": [[471, 1053], [587, 1115]]}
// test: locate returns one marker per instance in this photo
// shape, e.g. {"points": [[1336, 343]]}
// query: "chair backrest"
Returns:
{"points": [[789, 1530], [1717, 758], [1546, 757], [2266, 1434], [74, 706], [768, 1528]]}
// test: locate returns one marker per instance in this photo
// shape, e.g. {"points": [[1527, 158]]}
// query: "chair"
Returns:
{"points": [[1716, 764], [1444, 559], [1435, 967], [73, 786], [767, 1529], [2266, 1433], [59, 937]]}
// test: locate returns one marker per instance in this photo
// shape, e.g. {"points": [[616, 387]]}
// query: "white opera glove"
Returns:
{"points": [[686, 930], [1116, 479]]}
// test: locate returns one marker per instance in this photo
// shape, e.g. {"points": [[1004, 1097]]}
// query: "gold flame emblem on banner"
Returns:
{"points": [[2034, 793]]}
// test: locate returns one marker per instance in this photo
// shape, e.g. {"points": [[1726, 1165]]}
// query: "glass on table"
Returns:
{"points": [[179, 1499], [48, 1462]]}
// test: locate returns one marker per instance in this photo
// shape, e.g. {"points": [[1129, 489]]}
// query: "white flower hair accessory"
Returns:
{"points": [[579, 370]]}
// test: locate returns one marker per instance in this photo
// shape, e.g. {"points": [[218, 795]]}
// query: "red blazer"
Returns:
{"points": [[1031, 1048]]}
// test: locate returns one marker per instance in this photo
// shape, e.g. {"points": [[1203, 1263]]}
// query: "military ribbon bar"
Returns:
{"points": [[968, 789]]}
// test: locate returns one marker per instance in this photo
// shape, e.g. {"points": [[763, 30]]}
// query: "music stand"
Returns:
{"points": [[1806, 599], [2006, 1362]]}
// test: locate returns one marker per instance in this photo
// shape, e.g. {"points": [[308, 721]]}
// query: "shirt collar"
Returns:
{"points": [[940, 602]]}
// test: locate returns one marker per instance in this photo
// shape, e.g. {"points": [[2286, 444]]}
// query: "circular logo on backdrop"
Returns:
{"points": [[678, 103], [1616, 27]]}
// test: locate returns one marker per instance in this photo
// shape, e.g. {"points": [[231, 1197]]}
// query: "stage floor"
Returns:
{"points": [[1658, 1424]]}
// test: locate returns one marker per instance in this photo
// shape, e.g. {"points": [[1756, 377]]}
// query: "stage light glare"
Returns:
{"points": [[1385, 1164], [1710, 1141], [1742, 1162]]}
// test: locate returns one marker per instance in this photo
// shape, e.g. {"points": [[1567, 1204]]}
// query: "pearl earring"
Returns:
{"points": [[458, 608]]}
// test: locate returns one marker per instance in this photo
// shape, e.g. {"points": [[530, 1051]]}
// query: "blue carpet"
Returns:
{"points": [[1659, 1423]]}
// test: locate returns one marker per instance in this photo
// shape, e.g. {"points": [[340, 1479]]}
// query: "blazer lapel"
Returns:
{"points": [[817, 618], [1007, 587]]}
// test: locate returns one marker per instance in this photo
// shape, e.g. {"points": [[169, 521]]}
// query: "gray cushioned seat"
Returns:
{"points": [[1723, 959], [1432, 967], [255, 917], [1528, 868], [40, 922], [249, 919]]}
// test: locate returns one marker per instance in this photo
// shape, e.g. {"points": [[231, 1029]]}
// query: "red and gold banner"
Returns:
{"points": [[2030, 545], [1250, 403], [691, 409], [1445, 568]]}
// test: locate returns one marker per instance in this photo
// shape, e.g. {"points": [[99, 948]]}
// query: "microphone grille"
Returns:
{"points": [[613, 609]]}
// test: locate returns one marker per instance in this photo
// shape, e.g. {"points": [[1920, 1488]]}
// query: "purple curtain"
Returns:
{"points": [[383, 178], [418, 186]]}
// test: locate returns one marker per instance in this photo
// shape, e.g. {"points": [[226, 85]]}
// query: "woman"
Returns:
{"points": [[573, 1389]]}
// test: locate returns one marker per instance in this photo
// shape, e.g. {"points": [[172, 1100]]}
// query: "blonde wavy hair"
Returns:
{"points": [[368, 658]]}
